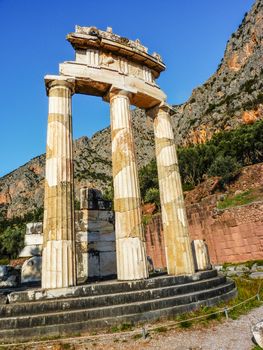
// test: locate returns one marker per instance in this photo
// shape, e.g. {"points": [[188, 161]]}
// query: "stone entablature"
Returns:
{"points": [[91, 37], [105, 60]]}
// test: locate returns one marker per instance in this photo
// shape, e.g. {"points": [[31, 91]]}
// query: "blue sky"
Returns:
{"points": [[190, 35]]}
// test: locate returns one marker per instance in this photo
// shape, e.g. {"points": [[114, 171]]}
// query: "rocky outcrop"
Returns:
{"points": [[233, 95], [22, 190]]}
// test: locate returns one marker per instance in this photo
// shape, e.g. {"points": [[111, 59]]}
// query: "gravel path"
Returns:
{"points": [[229, 335]]}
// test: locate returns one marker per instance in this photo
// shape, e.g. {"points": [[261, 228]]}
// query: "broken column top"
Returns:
{"points": [[85, 37]]}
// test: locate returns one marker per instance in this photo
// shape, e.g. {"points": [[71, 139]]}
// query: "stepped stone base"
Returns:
{"points": [[56, 312]]}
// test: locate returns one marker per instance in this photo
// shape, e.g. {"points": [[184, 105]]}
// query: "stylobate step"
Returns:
{"points": [[20, 309], [108, 287], [64, 317], [18, 334]]}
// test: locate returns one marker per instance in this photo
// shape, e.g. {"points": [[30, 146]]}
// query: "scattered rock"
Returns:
{"points": [[231, 273], [257, 331], [237, 192], [256, 275], [242, 268], [254, 267], [9, 276], [230, 268], [222, 197], [31, 270], [3, 299]]}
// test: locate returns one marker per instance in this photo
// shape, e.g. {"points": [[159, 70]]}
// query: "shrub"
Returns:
{"points": [[152, 196], [148, 177], [226, 167], [222, 156], [12, 241]]}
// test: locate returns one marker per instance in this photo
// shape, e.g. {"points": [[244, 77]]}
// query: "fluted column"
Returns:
{"points": [[58, 264], [130, 241], [176, 237]]}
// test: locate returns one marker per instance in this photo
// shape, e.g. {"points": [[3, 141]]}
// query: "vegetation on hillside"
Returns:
{"points": [[12, 232], [222, 156], [242, 198]]}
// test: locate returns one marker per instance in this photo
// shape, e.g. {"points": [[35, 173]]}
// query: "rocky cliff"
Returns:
{"points": [[231, 96], [21, 191]]}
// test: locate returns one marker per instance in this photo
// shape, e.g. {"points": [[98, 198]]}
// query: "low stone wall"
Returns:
{"points": [[155, 243], [95, 247], [95, 244], [232, 235]]}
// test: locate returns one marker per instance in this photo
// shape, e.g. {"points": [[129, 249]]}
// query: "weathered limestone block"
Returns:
{"points": [[3, 298], [91, 247], [58, 266], [102, 237], [102, 246], [91, 198], [130, 241], [177, 243], [257, 331], [93, 265], [256, 275], [200, 255], [31, 250], [9, 276], [33, 240], [108, 263], [34, 228], [31, 270], [95, 238], [100, 226]]}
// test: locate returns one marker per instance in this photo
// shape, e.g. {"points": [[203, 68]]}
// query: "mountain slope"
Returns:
{"points": [[22, 190], [231, 96]]}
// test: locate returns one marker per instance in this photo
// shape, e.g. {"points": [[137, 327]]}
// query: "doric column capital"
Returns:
{"points": [[162, 107], [59, 81], [115, 92]]}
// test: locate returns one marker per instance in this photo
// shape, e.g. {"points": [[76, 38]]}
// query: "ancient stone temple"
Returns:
{"points": [[123, 73]]}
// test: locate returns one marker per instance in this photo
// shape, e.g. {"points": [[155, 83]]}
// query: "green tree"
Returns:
{"points": [[12, 241], [225, 167], [148, 177], [152, 195]]}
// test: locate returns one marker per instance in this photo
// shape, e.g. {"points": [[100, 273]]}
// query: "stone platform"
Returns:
{"points": [[68, 311]]}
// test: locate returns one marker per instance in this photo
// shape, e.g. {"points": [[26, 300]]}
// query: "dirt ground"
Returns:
{"points": [[228, 335]]}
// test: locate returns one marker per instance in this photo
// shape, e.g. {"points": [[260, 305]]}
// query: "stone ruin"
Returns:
{"points": [[79, 245], [123, 73], [95, 241]]}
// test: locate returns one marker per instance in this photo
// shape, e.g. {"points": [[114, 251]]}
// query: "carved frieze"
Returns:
{"points": [[99, 59]]}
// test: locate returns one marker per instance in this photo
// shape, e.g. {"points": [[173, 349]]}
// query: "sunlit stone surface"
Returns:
{"points": [[58, 265], [200, 255], [177, 243], [122, 72], [130, 241]]}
